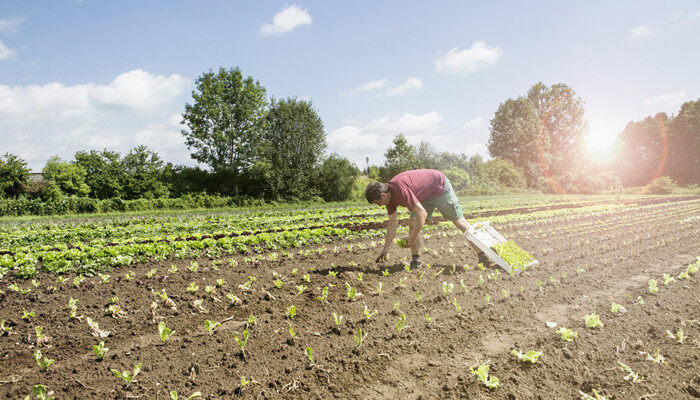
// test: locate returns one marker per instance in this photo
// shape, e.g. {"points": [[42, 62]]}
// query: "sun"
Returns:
{"points": [[601, 141]]}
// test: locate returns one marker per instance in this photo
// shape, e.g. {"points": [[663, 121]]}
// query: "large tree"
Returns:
{"points": [[225, 121], [144, 174], [399, 157], [294, 144], [104, 172], [13, 174], [640, 149], [336, 177], [683, 162], [68, 178], [541, 133]]}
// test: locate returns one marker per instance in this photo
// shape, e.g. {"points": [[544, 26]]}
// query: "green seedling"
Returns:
{"points": [[531, 356], [43, 362], [278, 283], [104, 278], [40, 392], [4, 330], [291, 312], [597, 395], [242, 341], [487, 298], [447, 288], [631, 375], [396, 304], [337, 319], [464, 286], [418, 297], [407, 267], [653, 288], [385, 272], [593, 321], [668, 279], [332, 273], [309, 354], [439, 272], [614, 307], [233, 299], [323, 298], [307, 278], [401, 281], [41, 339], [210, 325], [173, 269], [126, 376], [291, 333], [458, 306], [403, 243], [301, 288], [192, 287], [251, 321], [100, 350], [193, 267], [360, 276], [351, 292], [369, 314], [209, 289], [359, 337], [95, 328], [657, 358], [115, 311], [567, 335], [481, 266], [379, 288], [78, 280], [164, 331], [26, 315], [174, 395], [429, 318], [480, 281], [505, 293], [245, 382], [482, 374], [401, 323], [678, 337]]}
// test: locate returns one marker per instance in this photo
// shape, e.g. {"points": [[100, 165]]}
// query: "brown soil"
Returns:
{"points": [[423, 361]]}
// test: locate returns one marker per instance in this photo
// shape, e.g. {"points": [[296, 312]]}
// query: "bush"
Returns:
{"points": [[458, 177], [662, 185]]}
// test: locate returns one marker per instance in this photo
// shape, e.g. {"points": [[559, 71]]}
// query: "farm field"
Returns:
{"points": [[297, 308]]}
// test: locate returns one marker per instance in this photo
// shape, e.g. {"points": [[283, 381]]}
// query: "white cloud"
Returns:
{"points": [[639, 32], [286, 20], [371, 140], [695, 15], [6, 52], [137, 107], [410, 84], [10, 25], [371, 85], [669, 102], [463, 62], [475, 123]]}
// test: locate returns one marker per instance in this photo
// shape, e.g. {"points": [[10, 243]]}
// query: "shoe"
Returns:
{"points": [[483, 259], [416, 264]]}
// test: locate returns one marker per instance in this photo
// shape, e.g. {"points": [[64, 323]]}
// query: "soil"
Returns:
{"points": [[579, 273]]}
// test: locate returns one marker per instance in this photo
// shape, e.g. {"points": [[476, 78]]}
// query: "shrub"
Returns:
{"points": [[662, 185]]}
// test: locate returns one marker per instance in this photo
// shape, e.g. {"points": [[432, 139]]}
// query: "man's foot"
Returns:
{"points": [[483, 259], [416, 263]]}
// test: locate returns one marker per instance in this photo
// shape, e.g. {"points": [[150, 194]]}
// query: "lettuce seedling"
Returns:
{"points": [[567, 335], [458, 306], [95, 328], [43, 362], [401, 323], [26, 315], [447, 288], [396, 304], [251, 321], [291, 312], [192, 287], [482, 374], [531, 356], [593, 321], [115, 311], [631, 375], [278, 283], [40, 392], [307, 278], [78, 280], [309, 354], [657, 358], [369, 314], [100, 350], [385, 272], [429, 319], [598, 396], [678, 337], [401, 281], [4, 330], [164, 331], [291, 332], [324, 296], [351, 292], [126, 376], [233, 299], [337, 319], [241, 342], [614, 307], [210, 325], [379, 288], [151, 273], [668, 279], [301, 288], [41, 339], [418, 297], [359, 337], [174, 395], [360, 276], [245, 382], [653, 288], [403, 243]]}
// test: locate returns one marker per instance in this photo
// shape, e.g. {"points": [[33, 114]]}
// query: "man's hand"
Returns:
{"points": [[382, 256]]}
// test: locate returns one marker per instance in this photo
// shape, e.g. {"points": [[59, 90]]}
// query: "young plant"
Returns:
{"points": [[567, 335], [379, 288], [309, 354], [233, 299], [210, 325], [668, 279], [418, 297], [531, 356], [164, 331], [359, 337], [115, 311], [401, 323], [40, 392], [597, 395], [241, 342], [678, 337], [593, 321], [653, 288], [174, 395], [401, 281], [614, 307], [631, 375], [429, 319], [95, 329], [4, 330], [337, 319], [100, 350], [351, 292], [41, 339], [323, 298], [657, 358], [126, 376], [307, 278], [482, 374], [369, 314], [291, 312], [385, 272], [151, 273], [278, 283], [301, 288], [43, 362], [26, 315], [192, 287], [458, 306], [360, 276], [447, 288]]}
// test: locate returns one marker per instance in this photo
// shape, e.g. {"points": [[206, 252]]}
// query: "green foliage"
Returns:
{"points": [[682, 161], [338, 180], [126, 376], [13, 174], [593, 321], [567, 335], [143, 175], [43, 362], [531, 356], [459, 178], [174, 395], [662, 185], [164, 332], [100, 350], [103, 172], [511, 253], [40, 392], [482, 374], [224, 124], [401, 157]]}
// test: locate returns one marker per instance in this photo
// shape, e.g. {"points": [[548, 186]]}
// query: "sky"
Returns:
{"points": [[82, 75]]}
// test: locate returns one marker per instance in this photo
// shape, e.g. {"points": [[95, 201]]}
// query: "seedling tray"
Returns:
{"points": [[484, 236]]}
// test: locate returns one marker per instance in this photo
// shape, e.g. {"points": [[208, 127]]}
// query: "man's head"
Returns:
{"points": [[378, 193]]}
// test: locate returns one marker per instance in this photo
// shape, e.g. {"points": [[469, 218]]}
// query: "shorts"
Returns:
{"points": [[446, 202]]}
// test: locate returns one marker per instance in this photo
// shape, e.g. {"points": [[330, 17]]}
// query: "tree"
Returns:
{"points": [[225, 122], [294, 144], [541, 133], [682, 161], [400, 157], [458, 177], [68, 178], [336, 177], [640, 149], [104, 172], [143, 174], [13, 174], [503, 172]]}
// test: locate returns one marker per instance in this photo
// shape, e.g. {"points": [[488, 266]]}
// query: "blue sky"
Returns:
{"points": [[78, 75]]}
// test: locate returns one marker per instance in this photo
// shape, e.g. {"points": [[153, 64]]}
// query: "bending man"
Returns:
{"points": [[421, 191]]}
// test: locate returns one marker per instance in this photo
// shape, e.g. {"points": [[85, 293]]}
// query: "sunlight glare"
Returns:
{"points": [[601, 141]]}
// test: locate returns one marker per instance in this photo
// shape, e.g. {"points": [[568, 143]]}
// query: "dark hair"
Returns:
{"points": [[374, 191]]}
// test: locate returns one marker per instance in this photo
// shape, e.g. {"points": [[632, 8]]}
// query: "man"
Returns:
{"points": [[421, 191]]}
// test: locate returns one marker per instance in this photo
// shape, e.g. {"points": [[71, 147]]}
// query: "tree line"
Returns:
{"points": [[257, 147]]}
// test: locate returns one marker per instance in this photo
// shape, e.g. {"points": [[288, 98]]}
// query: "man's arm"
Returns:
{"points": [[390, 234], [415, 223]]}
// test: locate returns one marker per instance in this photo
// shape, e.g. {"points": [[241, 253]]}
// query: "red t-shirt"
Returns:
{"points": [[412, 187]]}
